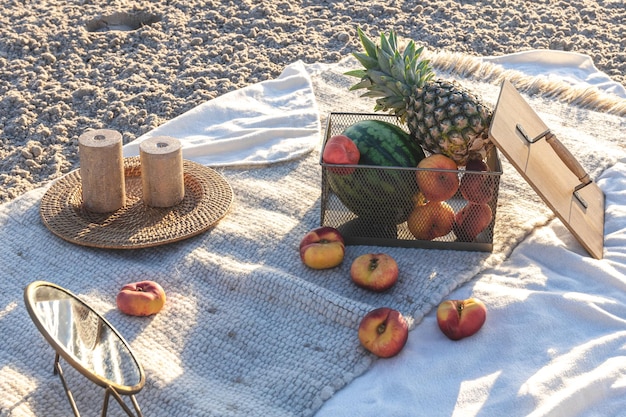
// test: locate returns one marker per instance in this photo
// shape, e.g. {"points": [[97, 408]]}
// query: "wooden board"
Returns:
{"points": [[549, 168]]}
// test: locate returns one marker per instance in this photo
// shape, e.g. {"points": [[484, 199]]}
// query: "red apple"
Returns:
{"points": [[476, 186], [142, 298], [437, 177], [322, 248], [374, 271], [341, 150], [461, 318], [430, 220], [471, 220], [384, 332]]}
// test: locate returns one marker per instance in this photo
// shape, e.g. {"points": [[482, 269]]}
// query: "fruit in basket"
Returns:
{"points": [[442, 116], [437, 177], [430, 219], [322, 248], [374, 271], [384, 332], [341, 150], [380, 190], [384, 144], [471, 220], [476, 186], [143, 298], [461, 318], [363, 228]]}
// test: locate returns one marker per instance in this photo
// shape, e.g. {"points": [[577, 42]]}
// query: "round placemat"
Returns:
{"points": [[208, 197]]}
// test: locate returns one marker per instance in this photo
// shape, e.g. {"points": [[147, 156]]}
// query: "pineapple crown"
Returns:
{"points": [[388, 75]]}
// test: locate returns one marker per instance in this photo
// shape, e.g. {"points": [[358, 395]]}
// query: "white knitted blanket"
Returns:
{"points": [[247, 329]]}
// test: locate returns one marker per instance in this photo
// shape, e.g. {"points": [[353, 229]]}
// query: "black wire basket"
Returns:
{"points": [[384, 206]]}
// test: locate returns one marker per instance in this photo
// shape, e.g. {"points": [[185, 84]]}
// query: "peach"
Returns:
{"points": [[461, 318], [437, 177], [430, 220], [374, 271], [471, 220], [341, 150], [384, 332], [322, 248], [475, 187], [143, 298]]}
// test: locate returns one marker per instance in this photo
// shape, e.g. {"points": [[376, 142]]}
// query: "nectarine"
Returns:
{"points": [[430, 220], [461, 318], [437, 177], [322, 248], [143, 298], [384, 332], [476, 186], [471, 220], [341, 150], [374, 271]]}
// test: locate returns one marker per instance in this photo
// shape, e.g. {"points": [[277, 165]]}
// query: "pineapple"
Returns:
{"points": [[442, 116]]}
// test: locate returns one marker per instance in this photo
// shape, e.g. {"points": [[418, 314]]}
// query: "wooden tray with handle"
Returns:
{"points": [[551, 170]]}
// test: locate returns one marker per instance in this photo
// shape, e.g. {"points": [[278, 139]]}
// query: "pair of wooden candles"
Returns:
{"points": [[102, 171]]}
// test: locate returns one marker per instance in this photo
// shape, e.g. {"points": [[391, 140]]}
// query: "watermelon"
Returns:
{"points": [[381, 189]]}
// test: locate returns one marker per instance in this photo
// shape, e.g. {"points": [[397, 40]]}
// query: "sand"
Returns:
{"points": [[67, 66]]}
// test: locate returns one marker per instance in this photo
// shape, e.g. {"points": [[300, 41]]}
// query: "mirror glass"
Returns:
{"points": [[83, 335]]}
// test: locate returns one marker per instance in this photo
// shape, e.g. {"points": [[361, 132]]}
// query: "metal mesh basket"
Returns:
{"points": [[384, 206]]}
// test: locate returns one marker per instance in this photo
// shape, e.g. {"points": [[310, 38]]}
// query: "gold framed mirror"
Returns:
{"points": [[86, 341]]}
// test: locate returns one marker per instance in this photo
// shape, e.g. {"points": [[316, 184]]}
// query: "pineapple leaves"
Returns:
{"points": [[423, 72], [386, 44], [384, 62], [360, 73], [388, 74], [393, 41], [397, 67], [368, 45], [409, 52], [364, 83], [365, 60]]}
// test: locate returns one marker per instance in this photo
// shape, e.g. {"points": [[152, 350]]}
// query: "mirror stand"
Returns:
{"points": [[87, 342], [108, 392]]}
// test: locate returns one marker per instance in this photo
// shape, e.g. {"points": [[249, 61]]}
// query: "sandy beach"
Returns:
{"points": [[71, 65]]}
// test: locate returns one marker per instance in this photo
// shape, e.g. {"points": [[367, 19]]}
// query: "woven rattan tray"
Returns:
{"points": [[208, 197]]}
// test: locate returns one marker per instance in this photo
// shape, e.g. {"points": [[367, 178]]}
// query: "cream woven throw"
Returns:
{"points": [[247, 329]]}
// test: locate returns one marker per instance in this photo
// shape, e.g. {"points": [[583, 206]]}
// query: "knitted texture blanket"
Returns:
{"points": [[247, 329]]}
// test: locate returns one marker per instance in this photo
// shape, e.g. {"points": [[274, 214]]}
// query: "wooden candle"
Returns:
{"points": [[162, 175], [102, 170]]}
